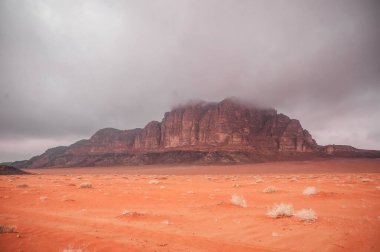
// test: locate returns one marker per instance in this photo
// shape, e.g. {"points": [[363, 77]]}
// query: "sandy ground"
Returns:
{"points": [[188, 208]]}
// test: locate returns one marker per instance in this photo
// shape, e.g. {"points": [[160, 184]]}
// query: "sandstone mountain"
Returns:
{"points": [[199, 132]]}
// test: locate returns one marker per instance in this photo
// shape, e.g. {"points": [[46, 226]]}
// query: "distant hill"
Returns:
{"points": [[230, 131]]}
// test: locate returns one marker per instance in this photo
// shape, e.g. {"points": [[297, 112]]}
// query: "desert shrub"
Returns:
{"points": [[43, 198], [238, 201], [306, 215], [270, 189], [293, 179], [85, 185], [309, 190], [154, 182], [7, 229], [366, 180], [131, 213], [259, 179], [74, 248], [23, 186], [281, 210]]}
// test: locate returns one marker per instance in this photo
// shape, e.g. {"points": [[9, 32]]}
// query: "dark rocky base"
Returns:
{"points": [[9, 170], [189, 157]]}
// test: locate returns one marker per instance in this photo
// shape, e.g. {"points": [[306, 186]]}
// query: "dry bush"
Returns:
{"points": [[270, 189], [238, 201], [309, 191], [366, 180], [85, 185], [281, 210], [7, 229], [306, 215], [293, 179], [23, 186], [154, 182], [131, 213], [43, 198], [71, 248], [259, 179]]}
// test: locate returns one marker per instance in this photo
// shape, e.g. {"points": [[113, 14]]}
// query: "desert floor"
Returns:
{"points": [[188, 208]]}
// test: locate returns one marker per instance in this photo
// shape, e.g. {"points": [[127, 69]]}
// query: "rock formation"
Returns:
{"points": [[201, 132]]}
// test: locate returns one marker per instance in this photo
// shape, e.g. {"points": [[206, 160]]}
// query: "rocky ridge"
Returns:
{"points": [[200, 132]]}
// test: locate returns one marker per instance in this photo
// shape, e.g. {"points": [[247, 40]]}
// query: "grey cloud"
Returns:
{"points": [[68, 68]]}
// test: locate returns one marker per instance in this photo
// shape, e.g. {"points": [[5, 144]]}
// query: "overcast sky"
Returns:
{"points": [[69, 68]]}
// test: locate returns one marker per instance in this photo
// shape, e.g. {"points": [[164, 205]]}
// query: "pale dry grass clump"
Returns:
{"points": [[306, 215], [270, 189], [43, 198], [309, 191], [281, 210], [238, 201], [85, 185], [7, 229], [131, 213], [293, 179], [72, 248], [154, 182], [259, 179], [366, 180]]}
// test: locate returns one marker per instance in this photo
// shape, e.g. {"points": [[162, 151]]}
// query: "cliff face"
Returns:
{"points": [[233, 125], [228, 131]]}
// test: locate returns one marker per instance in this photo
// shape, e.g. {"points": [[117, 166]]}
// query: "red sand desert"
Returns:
{"points": [[188, 208]]}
